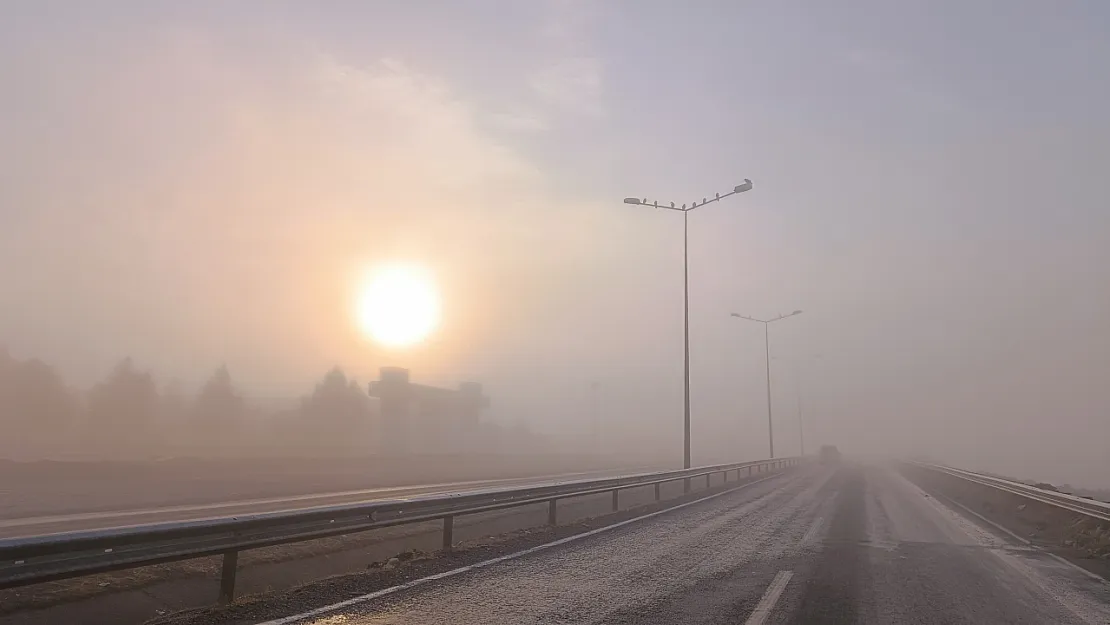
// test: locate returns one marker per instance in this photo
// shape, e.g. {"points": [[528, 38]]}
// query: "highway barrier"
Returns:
{"points": [[52, 557]]}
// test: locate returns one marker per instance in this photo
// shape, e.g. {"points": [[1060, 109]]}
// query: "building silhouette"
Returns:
{"points": [[416, 418]]}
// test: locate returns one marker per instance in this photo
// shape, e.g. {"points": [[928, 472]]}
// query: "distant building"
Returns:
{"points": [[416, 418]]}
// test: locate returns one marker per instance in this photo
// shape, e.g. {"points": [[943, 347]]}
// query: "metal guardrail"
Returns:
{"points": [[53, 557], [1081, 505]]}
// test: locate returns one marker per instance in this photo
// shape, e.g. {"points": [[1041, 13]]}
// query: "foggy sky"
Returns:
{"points": [[202, 183]]}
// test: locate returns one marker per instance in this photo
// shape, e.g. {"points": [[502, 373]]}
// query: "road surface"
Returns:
{"points": [[50, 524], [856, 544]]}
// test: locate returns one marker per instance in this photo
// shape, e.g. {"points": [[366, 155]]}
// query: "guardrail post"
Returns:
{"points": [[686, 485], [448, 532], [551, 512], [616, 503], [657, 485], [227, 577]]}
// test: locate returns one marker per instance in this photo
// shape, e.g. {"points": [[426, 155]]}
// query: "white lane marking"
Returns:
{"points": [[813, 529], [512, 556], [953, 502], [770, 598]]}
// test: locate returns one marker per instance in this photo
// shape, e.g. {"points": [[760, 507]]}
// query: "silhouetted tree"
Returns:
{"points": [[218, 414], [36, 408], [122, 414], [337, 415]]}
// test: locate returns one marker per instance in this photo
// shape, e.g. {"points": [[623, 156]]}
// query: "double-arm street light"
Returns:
{"points": [[746, 186], [801, 394], [767, 351]]}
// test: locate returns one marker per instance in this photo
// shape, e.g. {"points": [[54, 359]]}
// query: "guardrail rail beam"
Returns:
{"points": [[54, 557]]}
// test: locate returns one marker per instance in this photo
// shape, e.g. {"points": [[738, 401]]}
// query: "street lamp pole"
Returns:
{"points": [[801, 422], [740, 188], [686, 343], [767, 354], [802, 387], [594, 429]]}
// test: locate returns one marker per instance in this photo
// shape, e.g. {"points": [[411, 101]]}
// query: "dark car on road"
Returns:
{"points": [[829, 454]]}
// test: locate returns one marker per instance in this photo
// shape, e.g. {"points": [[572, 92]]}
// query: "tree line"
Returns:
{"points": [[128, 415]]}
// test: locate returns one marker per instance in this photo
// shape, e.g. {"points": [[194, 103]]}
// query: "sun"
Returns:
{"points": [[398, 305]]}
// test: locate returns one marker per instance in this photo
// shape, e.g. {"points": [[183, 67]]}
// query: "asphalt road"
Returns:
{"points": [[852, 545], [50, 524]]}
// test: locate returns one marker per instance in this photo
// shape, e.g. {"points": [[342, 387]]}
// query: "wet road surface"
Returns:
{"points": [[816, 545], [50, 524]]}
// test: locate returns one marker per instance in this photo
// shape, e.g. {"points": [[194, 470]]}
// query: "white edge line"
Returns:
{"points": [[949, 500], [770, 598], [1025, 541], [512, 556]]}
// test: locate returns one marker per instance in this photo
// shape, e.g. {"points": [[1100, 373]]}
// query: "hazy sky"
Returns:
{"points": [[193, 183]]}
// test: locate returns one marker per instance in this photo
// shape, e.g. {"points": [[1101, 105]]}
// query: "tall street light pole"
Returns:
{"points": [[740, 188], [800, 395], [767, 355], [800, 392], [594, 430]]}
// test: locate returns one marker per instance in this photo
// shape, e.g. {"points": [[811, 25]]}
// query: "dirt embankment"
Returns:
{"points": [[1079, 538]]}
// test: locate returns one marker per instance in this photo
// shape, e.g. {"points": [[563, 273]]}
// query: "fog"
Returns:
{"points": [[203, 185]]}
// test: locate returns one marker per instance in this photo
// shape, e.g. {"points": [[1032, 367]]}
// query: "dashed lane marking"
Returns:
{"points": [[813, 529], [770, 598]]}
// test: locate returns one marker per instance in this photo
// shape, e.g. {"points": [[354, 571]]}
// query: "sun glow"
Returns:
{"points": [[398, 305]]}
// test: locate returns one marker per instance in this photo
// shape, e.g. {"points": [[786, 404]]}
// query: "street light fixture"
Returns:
{"points": [[740, 188], [767, 354], [801, 388]]}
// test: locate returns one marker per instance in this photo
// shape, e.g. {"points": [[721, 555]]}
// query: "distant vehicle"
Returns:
{"points": [[829, 454]]}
